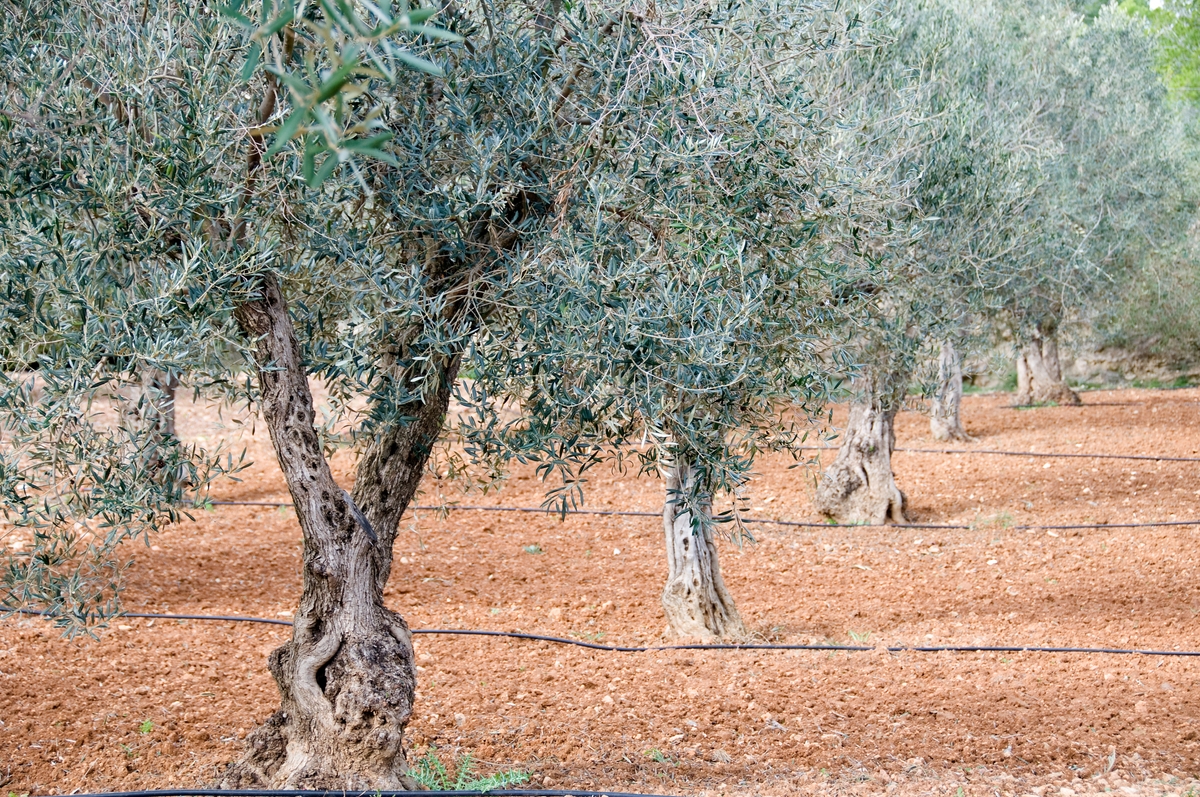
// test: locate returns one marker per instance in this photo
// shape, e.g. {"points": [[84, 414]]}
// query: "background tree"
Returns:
{"points": [[966, 155], [1154, 308], [1115, 192], [252, 202], [1177, 26]]}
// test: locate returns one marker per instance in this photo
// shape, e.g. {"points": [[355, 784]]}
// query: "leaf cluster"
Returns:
{"points": [[617, 222]]}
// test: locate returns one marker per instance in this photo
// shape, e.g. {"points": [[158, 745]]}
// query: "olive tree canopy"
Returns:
{"points": [[545, 199]]}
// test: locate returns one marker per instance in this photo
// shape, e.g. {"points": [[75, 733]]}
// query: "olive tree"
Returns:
{"points": [[690, 388], [695, 388], [1115, 191], [967, 157], [245, 200]]}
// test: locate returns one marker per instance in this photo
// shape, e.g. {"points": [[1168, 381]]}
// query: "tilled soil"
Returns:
{"points": [[156, 704]]}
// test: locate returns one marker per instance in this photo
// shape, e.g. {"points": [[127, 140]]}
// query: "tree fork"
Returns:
{"points": [[347, 677]]}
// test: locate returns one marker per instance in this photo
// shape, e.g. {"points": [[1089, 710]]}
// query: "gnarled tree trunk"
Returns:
{"points": [[695, 599], [945, 422], [859, 486], [346, 678], [1039, 373]]}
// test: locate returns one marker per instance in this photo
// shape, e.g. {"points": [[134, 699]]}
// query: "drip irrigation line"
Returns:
{"points": [[1038, 454], [473, 632], [766, 521], [659, 648], [1047, 455], [371, 793], [1029, 649], [233, 619], [145, 616], [649, 649]]}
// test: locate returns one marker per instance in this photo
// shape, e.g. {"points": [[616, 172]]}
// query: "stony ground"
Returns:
{"points": [[155, 704]]}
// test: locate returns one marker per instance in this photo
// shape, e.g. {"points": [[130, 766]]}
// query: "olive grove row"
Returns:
{"points": [[665, 232]]}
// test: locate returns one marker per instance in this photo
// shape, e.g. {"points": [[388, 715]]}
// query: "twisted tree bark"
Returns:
{"points": [[346, 678], [945, 422], [859, 486], [1039, 373], [695, 599]]}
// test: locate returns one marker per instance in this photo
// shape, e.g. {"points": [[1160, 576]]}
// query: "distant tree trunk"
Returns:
{"points": [[1039, 373], [945, 422], [859, 486], [695, 599], [160, 388], [346, 678], [149, 409]]}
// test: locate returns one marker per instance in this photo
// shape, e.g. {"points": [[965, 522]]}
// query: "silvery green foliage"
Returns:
{"points": [[965, 153], [628, 217], [1045, 161], [980, 158], [112, 160], [1116, 191], [700, 320], [322, 57]]}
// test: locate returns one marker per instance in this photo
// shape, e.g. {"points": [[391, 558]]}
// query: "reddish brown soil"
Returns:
{"points": [[738, 722]]}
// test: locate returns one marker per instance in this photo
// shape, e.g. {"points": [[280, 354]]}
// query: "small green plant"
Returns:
{"points": [[146, 727], [654, 754], [996, 524], [431, 773], [860, 637], [1002, 520], [533, 549]]}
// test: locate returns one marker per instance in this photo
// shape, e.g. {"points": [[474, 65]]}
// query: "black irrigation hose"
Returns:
{"points": [[1027, 649], [1066, 455], [657, 648], [469, 632], [1043, 455], [767, 521], [233, 619], [372, 793], [622, 649]]}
